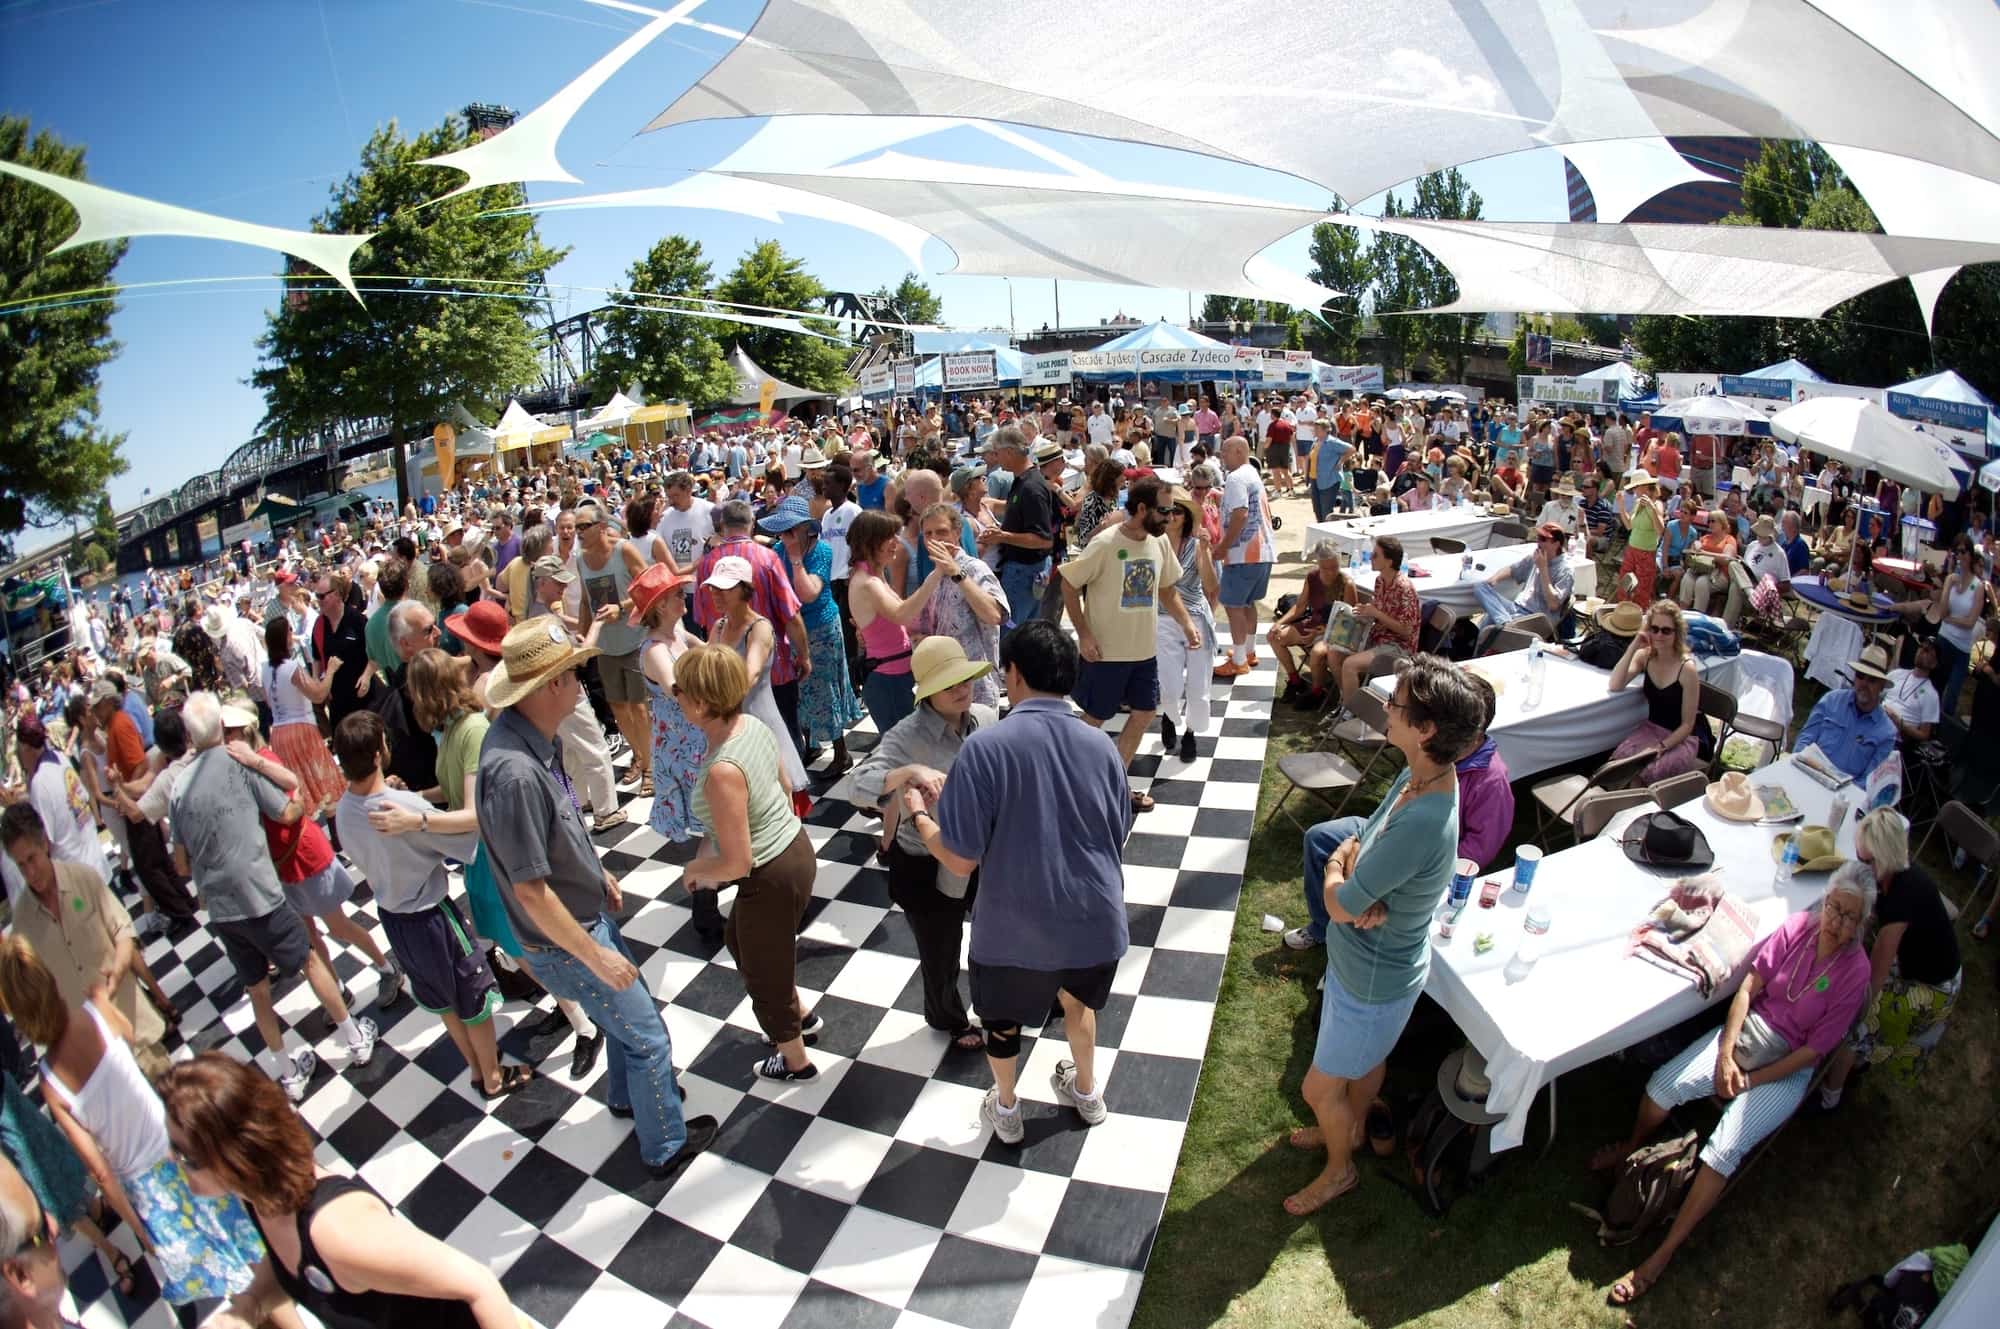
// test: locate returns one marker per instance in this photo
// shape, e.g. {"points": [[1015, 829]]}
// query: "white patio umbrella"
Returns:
{"points": [[1865, 435], [1711, 414], [1989, 476]]}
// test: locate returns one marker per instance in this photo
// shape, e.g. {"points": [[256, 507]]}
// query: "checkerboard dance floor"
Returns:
{"points": [[869, 1196]]}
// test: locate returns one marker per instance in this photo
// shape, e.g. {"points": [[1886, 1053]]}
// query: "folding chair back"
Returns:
{"points": [[1509, 530], [1679, 789], [1441, 544], [1535, 625], [1595, 809], [1508, 639], [1965, 829], [1436, 629]]}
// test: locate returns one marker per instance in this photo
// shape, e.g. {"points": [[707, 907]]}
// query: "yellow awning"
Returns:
{"points": [[647, 415]]}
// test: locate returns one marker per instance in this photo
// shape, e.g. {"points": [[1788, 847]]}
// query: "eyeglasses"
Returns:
{"points": [[1851, 917], [1660, 629]]}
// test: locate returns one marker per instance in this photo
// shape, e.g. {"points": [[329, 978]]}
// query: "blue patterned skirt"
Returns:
{"points": [[827, 707]]}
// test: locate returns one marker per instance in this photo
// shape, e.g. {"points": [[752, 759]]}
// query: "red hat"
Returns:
{"points": [[284, 578], [648, 587], [1548, 530], [481, 624], [28, 729]]}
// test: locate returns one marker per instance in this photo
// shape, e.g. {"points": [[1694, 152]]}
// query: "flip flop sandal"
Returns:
{"points": [[1142, 802], [1299, 1207], [512, 1079], [971, 1032], [1628, 1290], [122, 1273]]}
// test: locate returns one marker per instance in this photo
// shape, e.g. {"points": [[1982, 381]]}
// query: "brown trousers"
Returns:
{"points": [[762, 936]]}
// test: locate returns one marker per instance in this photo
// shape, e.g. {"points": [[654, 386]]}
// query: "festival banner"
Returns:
{"points": [[444, 439], [1768, 389], [1103, 362], [257, 529], [1564, 390], [1044, 369], [906, 378], [1351, 378], [1965, 425], [1271, 364], [1219, 360], [1805, 390], [767, 396], [878, 381], [970, 369], [1674, 387]]}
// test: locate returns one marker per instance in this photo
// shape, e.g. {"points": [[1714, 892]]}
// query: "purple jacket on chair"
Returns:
{"points": [[1485, 804]]}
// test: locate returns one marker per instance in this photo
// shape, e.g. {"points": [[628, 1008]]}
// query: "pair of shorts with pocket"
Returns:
{"points": [[1102, 686], [1005, 994], [447, 971], [624, 685], [1244, 584], [257, 945]]}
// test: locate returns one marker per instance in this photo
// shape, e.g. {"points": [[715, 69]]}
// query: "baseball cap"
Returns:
{"points": [[548, 565], [727, 572]]}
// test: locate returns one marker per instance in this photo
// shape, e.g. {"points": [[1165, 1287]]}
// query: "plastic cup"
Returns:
{"points": [[1527, 858]]}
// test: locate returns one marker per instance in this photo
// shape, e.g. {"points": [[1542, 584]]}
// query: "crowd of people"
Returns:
{"points": [[450, 689]]}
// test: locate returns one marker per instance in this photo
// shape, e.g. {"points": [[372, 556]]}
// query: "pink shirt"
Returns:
{"points": [[1828, 993], [1207, 422]]}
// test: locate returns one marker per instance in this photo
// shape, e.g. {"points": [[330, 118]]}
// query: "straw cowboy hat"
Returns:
{"points": [[648, 587], [1178, 497], [532, 653], [1873, 662], [812, 458], [1732, 798], [1816, 851], [1623, 619], [1565, 487], [1639, 480], [215, 622], [939, 665]]}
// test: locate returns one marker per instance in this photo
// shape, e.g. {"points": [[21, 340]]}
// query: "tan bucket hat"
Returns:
{"points": [[1732, 798], [939, 664]]}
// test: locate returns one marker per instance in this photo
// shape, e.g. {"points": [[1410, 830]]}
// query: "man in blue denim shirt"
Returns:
{"points": [[559, 898]]}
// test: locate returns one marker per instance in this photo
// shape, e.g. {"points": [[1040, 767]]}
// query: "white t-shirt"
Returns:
{"points": [[57, 792], [687, 533], [1570, 518], [1099, 426], [792, 455], [1761, 558], [1254, 543], [833, 526], [1911, 699]]}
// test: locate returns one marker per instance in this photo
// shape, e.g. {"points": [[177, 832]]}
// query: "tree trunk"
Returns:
{"points": [[402, 468]]}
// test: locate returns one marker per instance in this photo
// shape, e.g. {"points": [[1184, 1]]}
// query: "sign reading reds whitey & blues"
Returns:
{"points": [[1964, 424], [1742, 385]]}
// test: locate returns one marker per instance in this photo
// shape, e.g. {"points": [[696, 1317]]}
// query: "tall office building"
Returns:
{"points": [[1695, 203]]}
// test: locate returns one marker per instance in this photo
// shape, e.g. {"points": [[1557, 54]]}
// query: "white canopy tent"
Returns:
{"points": [[1865, 435], [612, 415], [1631, 383], [1794, 369], [1946, 385]]}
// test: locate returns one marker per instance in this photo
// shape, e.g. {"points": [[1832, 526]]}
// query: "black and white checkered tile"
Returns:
{"points": [[871, 1195]]}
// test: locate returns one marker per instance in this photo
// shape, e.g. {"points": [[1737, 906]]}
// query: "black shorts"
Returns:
{"points": [[446, 969], [1278, 456], [1004, 994], [254, 945], [1102, 686]]}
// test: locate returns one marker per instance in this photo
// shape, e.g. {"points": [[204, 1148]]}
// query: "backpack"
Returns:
{"points": [[1647, 1190]]}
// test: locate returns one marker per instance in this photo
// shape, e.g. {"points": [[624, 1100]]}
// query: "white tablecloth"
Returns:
{"points": [[1415, 529], [1445, 585], [1587, 998], [1579, 717]]}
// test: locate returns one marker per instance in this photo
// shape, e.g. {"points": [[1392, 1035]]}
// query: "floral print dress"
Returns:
{"points": [[678, 748]]}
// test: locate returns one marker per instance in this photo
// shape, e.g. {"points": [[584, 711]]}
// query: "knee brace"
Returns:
{"points": [[1003, 1041]]}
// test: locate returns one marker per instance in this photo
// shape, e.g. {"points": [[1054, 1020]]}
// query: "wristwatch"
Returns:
{"points": [[956, 576]]}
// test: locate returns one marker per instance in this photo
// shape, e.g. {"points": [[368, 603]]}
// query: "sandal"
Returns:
{"points": [[1302, 1203], [1142, 802], [1629, 1289], [121, 1269], [1306, 1137], [969, 1039], [512, 1078], [645, 788]]}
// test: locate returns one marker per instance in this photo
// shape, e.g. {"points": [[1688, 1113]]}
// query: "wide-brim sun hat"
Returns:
{"points": [[1639, 480], [939, 664], [792, 511], [647, 588], [1733, 799], [1816, 851], [531, 654], [1873, 662], [482, 624], [1623, 619], [215, 622], [236, 717]]}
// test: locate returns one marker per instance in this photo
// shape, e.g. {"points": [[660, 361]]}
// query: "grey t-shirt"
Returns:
{"points": [[1529, 596], [218, 806], [532, 827], [405, 871]]}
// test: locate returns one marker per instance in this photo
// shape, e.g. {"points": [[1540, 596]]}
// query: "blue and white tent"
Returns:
{"points": [[1945, 386], [1792, 369], [1163, 336], [1006, 364]]}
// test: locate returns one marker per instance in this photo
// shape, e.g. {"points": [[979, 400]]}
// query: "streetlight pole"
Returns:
{"points": [[1010, 307]]}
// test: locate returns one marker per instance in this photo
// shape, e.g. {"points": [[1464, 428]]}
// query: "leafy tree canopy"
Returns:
{"points": [[767, 276], [668, 354]]}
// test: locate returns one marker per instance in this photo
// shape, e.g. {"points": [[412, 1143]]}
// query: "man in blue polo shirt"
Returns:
{"points": [[1039, 804]]}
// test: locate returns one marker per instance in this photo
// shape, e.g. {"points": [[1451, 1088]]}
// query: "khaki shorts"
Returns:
{"points": [[623, 683]]}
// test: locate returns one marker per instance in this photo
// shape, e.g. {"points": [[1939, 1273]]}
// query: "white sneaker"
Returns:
{"points": [[304, 1062], [149, 924], [1008, 1127], [1299, 939], [362, 1051], [1063, 1081]]}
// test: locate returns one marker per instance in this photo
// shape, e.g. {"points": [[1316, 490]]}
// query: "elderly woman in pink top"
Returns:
{"points": [[1806, 984]]}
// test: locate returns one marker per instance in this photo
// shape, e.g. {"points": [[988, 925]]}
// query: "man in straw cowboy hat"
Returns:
{"points": [[557, 894], [1849, 724]]}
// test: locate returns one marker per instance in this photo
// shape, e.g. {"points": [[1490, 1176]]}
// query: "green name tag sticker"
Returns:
{"points": [[1822, 985]]}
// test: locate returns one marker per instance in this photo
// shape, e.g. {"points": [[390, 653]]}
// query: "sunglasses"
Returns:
{"points": [[1661, 629]]}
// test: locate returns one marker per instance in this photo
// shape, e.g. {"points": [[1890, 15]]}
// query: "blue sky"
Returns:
{"points": [[254, 110]]}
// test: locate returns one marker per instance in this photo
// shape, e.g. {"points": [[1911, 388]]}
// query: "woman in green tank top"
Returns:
{"points": [[755, 841], [1646, 522]]}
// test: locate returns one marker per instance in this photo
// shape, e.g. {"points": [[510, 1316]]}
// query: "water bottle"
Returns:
{"points": [[1465, 566], [1790, 862], [1537, 677]]}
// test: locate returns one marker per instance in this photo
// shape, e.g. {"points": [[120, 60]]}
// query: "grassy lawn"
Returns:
{"points": [[1837, 1197]]}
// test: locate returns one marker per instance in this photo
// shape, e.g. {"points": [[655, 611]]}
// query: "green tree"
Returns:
{"points": [[1397, 283], [54, 460], [1295, 334], [418, 346], [1443, 195], [649, 342], [914, 300], [766, 276], [1339, 263], [1217, 308]]}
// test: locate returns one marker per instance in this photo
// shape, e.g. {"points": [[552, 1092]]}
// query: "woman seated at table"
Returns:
{"points": [[1459, 480], [1507, 484], [1371, 887], [1683, 536], [1660, 659], [1914, 972], [1393, 618], [1835, 545], [1706, 567], [1806, 983], [1300, 627]]}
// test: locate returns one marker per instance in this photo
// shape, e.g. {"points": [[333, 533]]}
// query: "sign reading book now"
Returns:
{"points": [[1044, 369], [970, 369]]}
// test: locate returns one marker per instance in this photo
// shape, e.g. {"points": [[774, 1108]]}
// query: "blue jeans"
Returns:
{"points": [[1321, 841], [1325, 499], [1018, 581], [889, 698], [643, 1057], [1500, 611], [1949, 677]]}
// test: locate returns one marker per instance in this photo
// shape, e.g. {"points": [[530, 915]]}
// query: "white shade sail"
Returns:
{"points": [[1865, 435], [1442, 82], [1623, 173]]}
